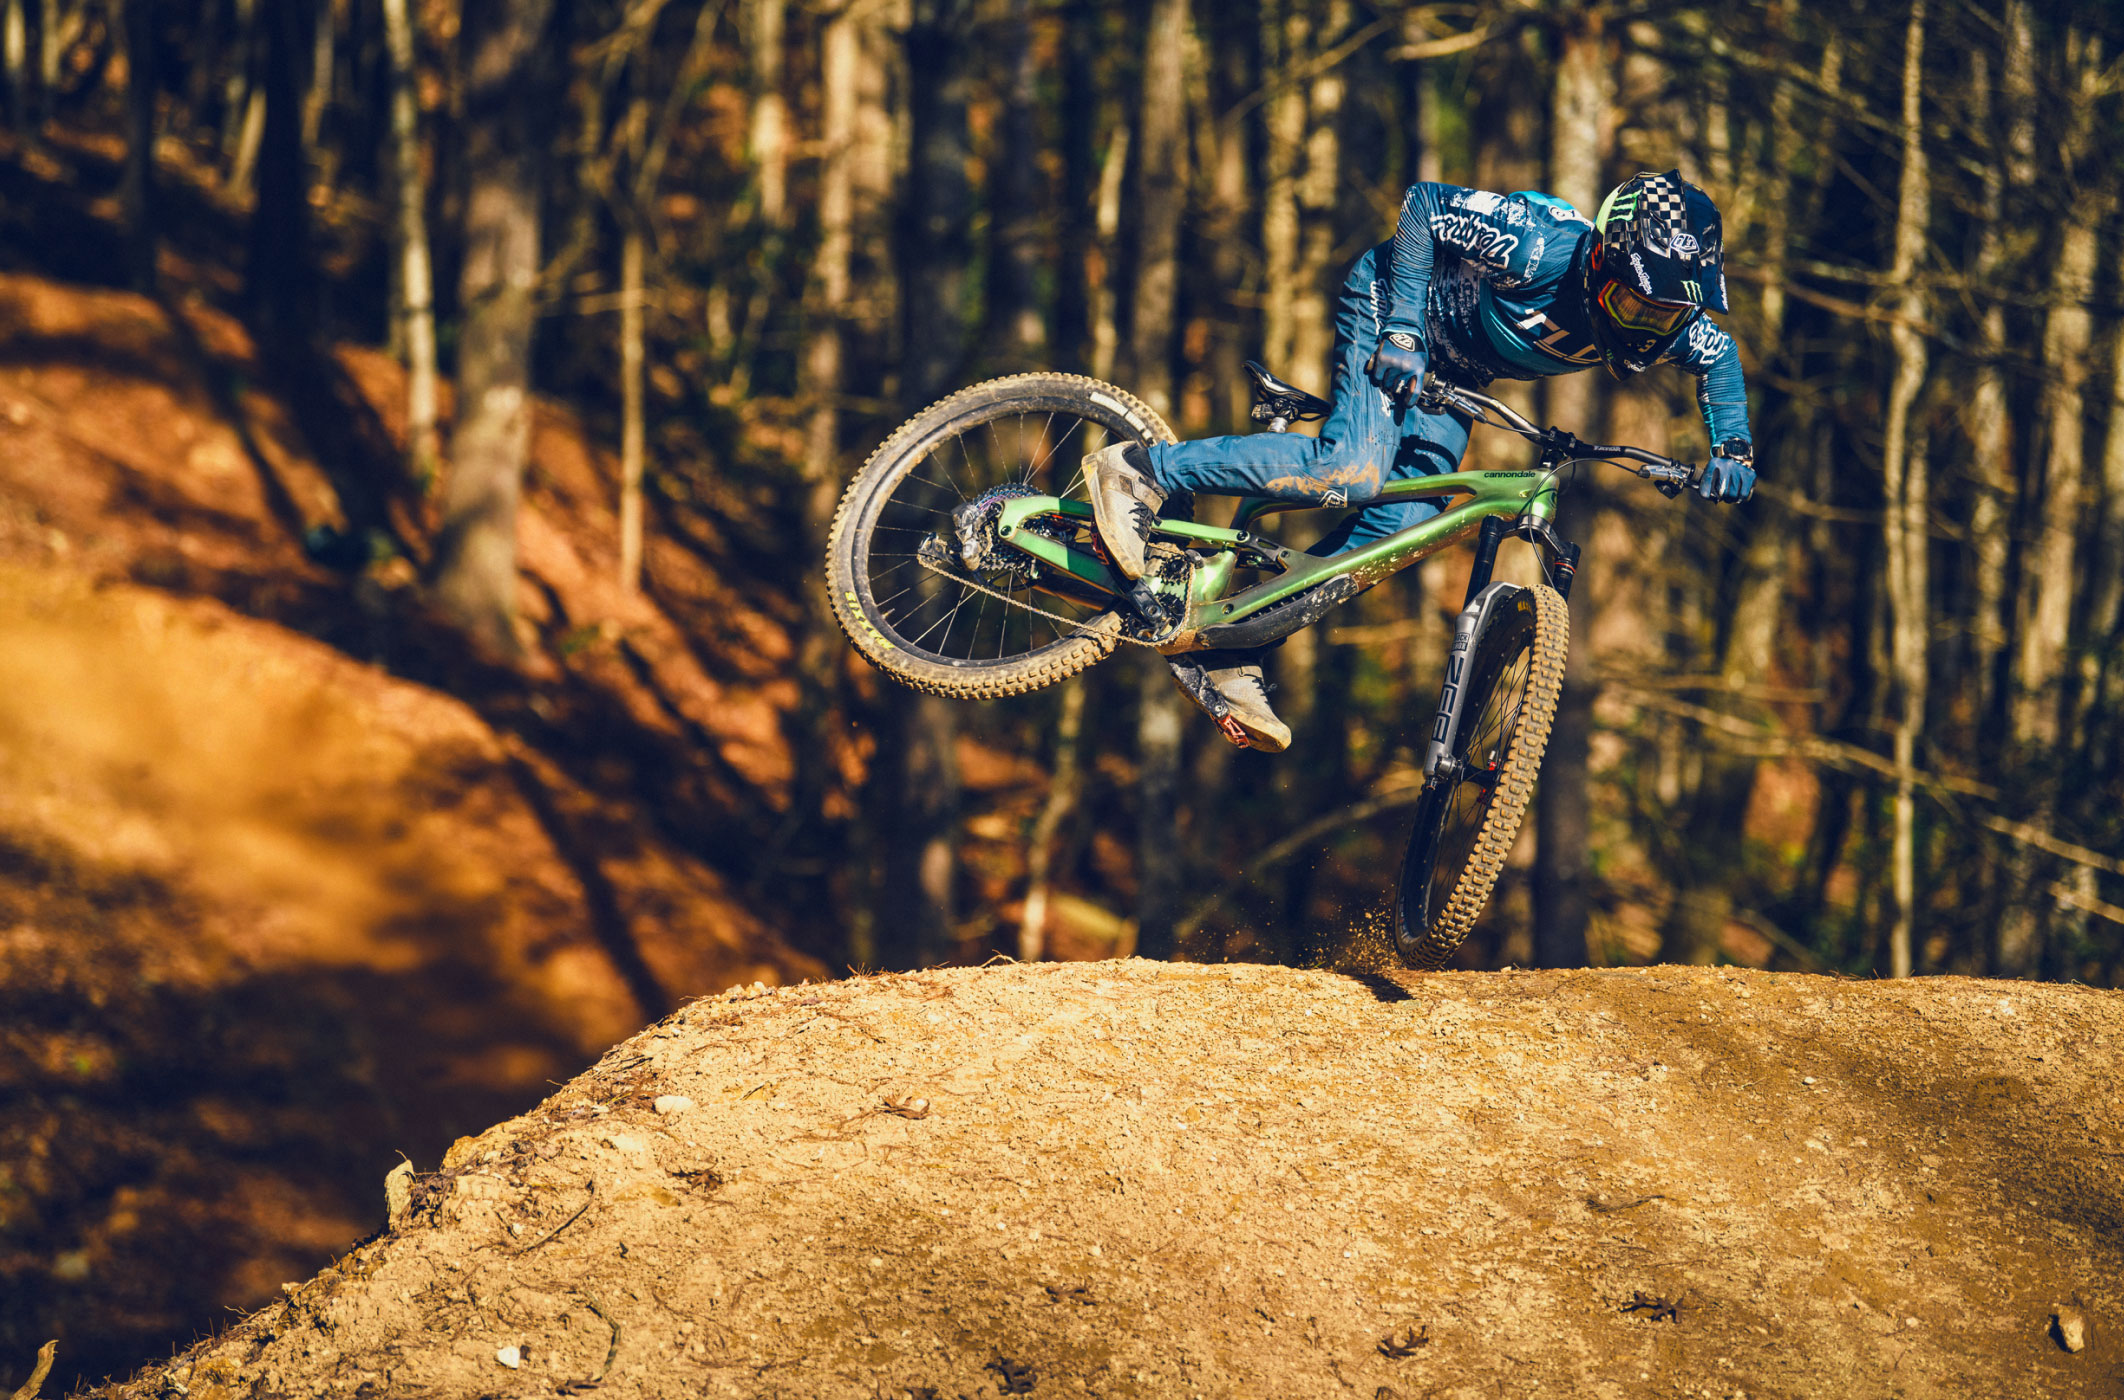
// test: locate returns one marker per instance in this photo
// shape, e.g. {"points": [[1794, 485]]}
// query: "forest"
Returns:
{"points": [[1871, 722]]}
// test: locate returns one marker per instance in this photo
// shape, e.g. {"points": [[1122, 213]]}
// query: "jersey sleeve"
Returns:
{"points": [[1499, 238], [1707, 352]]}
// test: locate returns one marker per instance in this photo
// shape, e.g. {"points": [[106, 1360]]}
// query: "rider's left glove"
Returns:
{"points": [[1397, 365], [1730, 474]]}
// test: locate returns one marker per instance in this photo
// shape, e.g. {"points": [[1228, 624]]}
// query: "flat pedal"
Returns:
{"points": [[1160, 597]]}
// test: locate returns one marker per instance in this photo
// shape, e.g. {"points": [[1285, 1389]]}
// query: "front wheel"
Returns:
{"points": [[1466, 823], [918, 582]]}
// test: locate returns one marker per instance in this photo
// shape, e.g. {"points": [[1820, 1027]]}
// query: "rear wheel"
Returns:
{"points": [[930, 600], [1466, 823]]}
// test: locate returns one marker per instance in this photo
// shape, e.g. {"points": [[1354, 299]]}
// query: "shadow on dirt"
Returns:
{"points": [[174, 1145]]}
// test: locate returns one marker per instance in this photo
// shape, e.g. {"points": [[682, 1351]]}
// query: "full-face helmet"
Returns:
{"points": [[1657, 263]]}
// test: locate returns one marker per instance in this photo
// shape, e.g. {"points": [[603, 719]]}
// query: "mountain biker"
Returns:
{"points": [[1476, 286]]}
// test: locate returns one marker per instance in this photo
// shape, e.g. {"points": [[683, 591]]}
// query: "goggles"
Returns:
{"points": [[1633, 312]]}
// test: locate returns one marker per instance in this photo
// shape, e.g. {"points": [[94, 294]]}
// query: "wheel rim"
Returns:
{"points": [[1485, 744], [921, 591]]}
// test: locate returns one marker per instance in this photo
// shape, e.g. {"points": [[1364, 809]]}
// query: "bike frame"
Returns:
{"points": [[1497, 503], [1528, 498]]}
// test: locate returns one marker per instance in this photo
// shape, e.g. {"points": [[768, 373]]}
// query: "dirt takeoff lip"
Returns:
{"points": [[1139, 1179]]}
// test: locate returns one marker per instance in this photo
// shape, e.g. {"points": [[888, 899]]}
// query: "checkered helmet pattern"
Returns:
{"points": [[1668, 235]]}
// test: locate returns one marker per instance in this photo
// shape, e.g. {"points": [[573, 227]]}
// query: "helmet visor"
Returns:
{"points": [[1633, 312]]}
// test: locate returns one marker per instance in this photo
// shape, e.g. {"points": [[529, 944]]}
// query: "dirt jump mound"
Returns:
{"points": [[1134, 1179]]}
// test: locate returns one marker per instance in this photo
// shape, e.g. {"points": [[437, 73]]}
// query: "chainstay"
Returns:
{"points": [[1079, 629]]}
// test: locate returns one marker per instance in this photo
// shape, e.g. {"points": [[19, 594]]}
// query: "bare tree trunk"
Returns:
{"points": [[1017, 335], [475, 569], [1430, 160], [1228, 78], [631, 412], [1161, 196], [1905, 519], [770, 114], [57, 28], [280, 285], [938, 245], [249, 136], [1080, 178], [237, 84], [137, 196], [2051, 575], [318, 96], [1159, 850], [1106, 224], [2106, 619], [1061, 797], [2047, 614], [937, 250], [1318, 193], [14, 53], [830, 269], [1284, 37], [1990, 423], [1563, 815], [415, 271]]}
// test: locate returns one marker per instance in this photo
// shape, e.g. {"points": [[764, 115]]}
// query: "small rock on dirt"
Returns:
{"points": [[672, 1103], [2069, 1325], [510, 1356], [398, 1194]]}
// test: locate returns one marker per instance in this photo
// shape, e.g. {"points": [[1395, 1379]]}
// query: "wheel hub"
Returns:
{"points": [[973, 524]]}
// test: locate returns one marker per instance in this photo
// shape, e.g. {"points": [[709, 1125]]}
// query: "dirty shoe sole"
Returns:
{"points": [[1123, 515]]}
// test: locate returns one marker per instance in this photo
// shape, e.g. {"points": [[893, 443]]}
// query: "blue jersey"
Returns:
{"points": [[1495, 287]]}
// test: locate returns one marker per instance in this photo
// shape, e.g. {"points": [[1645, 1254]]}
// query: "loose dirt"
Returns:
{"points": [[1137, 1179]]}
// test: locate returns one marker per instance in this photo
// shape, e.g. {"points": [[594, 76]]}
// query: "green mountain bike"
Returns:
{"points": [[964, 562]]}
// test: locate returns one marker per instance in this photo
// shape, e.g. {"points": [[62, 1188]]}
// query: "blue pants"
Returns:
{"points": [[1364, 443]]}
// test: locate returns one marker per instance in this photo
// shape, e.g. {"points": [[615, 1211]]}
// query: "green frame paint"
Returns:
{"points": [[1531, 494]]}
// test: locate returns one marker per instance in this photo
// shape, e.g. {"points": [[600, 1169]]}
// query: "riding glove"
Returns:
{"points": [[1730, 474], [1397, 365]]}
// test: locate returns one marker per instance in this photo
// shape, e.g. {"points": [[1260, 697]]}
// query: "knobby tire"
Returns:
{"points": [[1442, 893], [870, 627]]}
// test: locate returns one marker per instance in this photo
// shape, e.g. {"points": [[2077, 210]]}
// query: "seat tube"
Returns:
{"points": [[1493, 532]]}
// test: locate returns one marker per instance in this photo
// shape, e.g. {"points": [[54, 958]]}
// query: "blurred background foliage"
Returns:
{"points": [[1870, 722]]}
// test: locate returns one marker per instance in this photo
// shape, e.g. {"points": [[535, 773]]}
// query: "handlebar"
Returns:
{"points": [[1670, 476]]}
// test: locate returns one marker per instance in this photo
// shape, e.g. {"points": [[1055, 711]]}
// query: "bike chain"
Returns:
{"points": [[1081, 628]]}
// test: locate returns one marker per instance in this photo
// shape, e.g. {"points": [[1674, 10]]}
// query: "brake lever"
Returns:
{"points": [[1671, 481]]}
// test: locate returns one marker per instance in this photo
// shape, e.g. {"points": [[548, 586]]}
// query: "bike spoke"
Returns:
{"points": [[1024, 454], [1034, 466], [1062, 442], [940, 623]]}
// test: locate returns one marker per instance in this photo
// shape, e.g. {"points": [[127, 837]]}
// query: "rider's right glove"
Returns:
{"points": [[1397, 365], [1730, 474]]}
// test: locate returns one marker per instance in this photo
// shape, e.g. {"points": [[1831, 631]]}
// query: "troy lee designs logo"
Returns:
{"points": [[1706, 341], [1479, 241]]}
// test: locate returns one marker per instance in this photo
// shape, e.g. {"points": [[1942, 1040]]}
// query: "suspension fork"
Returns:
{"points": [[1485, 597], [1561, 553]]}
